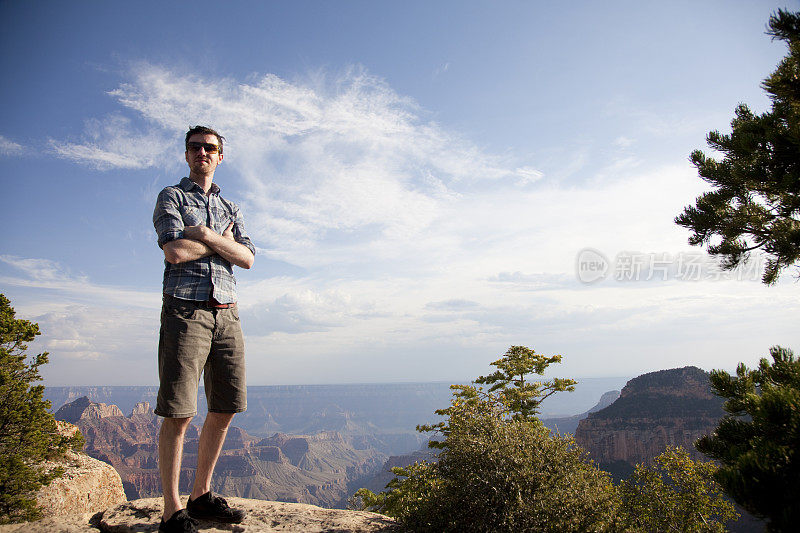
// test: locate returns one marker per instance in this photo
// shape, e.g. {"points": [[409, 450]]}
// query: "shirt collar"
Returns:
{"points": [[187, 185]]}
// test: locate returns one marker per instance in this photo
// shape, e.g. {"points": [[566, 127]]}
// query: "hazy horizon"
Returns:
{"points": [[587, 393]]}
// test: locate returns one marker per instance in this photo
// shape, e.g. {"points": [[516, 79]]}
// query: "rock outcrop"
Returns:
{"points": [[87, 486], [666, 408], [262, 516], [129, 444], [85, 409], [142, 409]]}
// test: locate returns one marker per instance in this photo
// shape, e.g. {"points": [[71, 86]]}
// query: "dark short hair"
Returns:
{"points": [[203, 130]]}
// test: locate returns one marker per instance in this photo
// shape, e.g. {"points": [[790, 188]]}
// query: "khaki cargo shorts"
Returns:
{"points": [[195, 339]]}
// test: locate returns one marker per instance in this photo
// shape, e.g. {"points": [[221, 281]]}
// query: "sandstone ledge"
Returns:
{"points": [[262, 516]]}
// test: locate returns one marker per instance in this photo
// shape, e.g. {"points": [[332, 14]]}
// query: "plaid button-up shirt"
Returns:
{"points": [[186, 204]]}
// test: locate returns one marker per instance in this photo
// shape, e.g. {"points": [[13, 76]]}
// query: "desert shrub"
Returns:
{"points": [[409, 496], [499, 469], [675, 494]]}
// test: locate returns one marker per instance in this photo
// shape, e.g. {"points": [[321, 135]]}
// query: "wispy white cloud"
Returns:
{"points": [[106, 327], [97, 331], [112, 143], [321, 159], [37, 269], [624, 142], [9, 147], [53, 276]]}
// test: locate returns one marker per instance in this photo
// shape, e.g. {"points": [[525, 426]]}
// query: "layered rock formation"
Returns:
{"points": [[83, 409], [142, 409], [315, 469], [666, 408], [377, 481]]}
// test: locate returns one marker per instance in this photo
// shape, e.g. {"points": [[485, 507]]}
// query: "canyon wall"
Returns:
{"points": [[316, 469], [665, 408]]}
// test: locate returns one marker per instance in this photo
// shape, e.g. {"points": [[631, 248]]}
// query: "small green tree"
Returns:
{"points": [[410, 496], [676, 494], [28, 433], [499, 469], [758, 441], [755, 203], [510, 393]]}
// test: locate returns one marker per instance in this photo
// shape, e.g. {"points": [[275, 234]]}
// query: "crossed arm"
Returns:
{"points": [[202, 241]]}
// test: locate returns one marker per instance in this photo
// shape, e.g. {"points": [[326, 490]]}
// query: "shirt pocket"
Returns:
{"points": [[192, 215], [220, 218]]}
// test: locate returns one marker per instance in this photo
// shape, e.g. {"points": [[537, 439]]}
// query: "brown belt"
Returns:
{"points": [[211, 302], [216, 305]]}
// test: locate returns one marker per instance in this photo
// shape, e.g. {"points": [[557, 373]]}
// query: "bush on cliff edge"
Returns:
{"points": [[499, 469], [676, 494]]}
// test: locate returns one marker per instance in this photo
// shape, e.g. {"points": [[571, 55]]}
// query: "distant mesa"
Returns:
{"points": [[655, 410], [568, 424], [85, 409], [605, 400]]}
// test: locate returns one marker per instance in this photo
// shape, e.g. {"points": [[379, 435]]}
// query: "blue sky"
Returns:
{"points": [[420, 179]]}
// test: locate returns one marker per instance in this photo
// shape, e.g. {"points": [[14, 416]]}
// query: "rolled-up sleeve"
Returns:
{"points": [[239, 233], [167, 217]]}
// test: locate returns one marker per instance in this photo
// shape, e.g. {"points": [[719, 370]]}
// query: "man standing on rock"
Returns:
{"points": [[202, 236]]}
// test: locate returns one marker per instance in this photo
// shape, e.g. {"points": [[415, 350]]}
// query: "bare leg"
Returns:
{"points": [[170, 452], [212, 438]]}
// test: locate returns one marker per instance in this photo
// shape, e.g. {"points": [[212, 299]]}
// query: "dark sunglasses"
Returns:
{"points": [[208, 147]]}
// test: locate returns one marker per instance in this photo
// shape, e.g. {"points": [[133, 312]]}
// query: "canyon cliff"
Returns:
{"points": [[665, 408], [314, 469]]}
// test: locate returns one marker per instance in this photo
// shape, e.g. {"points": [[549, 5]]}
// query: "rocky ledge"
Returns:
{"points": [[262, 516]]}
